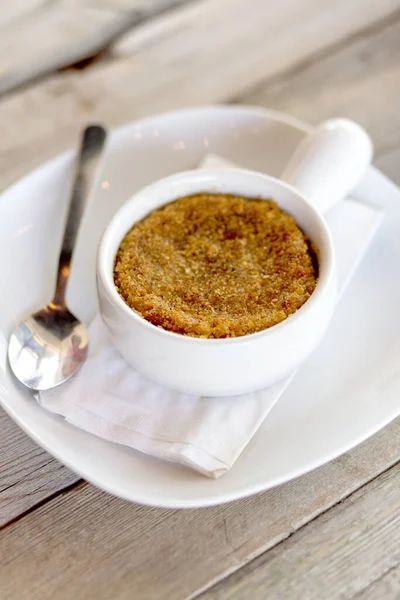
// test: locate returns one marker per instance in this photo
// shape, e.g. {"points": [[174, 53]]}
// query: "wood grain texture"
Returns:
{"points": [[88, 544], [28, 475], [386, 587], [360, 81], [230, 44], [40, 36], [340, 555], [180, 59]]}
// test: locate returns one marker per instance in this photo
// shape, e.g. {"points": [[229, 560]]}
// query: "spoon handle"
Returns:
{"points": [[92, 144]]}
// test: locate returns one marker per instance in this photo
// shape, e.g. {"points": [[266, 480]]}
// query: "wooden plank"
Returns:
{"points": [[360, 81], [38, 37], [28, 475], [386, 586], [227, 47], [231, 44], [88, 544], [340, 555]]}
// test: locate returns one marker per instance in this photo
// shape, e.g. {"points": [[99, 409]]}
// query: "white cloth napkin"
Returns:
{"points": [[109, 399]]}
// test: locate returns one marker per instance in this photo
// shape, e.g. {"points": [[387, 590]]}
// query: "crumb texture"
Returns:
{"points": [[215, 266]]}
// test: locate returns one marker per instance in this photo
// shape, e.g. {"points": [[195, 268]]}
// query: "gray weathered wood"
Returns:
{"points": [[38, 36], [175, 61], [88, 544], [386, 587], [353, 547], [28, 475], [360, 81]]}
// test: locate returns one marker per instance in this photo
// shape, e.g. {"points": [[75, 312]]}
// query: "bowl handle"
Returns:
{"points": [[329, 162]]}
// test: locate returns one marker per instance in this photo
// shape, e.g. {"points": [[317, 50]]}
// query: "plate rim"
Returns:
{"points": [[210, 499]]}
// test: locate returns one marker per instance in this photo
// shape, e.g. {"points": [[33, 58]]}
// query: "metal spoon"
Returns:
{"points": [[50, 346]]}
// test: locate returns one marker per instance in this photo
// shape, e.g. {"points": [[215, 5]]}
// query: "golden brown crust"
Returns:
{"points": [[215, 266]]}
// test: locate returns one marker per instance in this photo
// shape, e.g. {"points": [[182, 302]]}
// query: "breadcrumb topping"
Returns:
{"points": [[216, 266]]}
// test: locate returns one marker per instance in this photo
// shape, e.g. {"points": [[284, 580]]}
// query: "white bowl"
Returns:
{"points": [[224, 367], [217, 367]]}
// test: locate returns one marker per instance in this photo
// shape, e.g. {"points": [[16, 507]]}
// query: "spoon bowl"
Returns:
{"points": [[48, 347]]}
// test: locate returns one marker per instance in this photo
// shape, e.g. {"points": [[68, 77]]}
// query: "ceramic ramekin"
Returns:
{"points": [[325, 167]]}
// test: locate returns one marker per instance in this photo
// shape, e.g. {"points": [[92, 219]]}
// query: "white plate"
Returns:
{"points": [[349, 388]]}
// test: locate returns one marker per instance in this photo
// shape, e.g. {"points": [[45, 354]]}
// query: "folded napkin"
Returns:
{"points": [[109, 399]]}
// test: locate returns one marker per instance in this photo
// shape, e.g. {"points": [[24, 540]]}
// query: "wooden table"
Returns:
{"points": [[333, 533]]}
